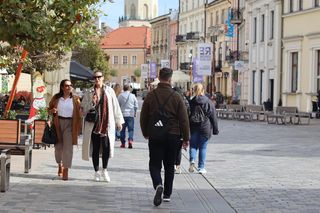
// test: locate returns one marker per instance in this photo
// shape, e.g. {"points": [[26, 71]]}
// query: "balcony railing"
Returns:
{"points": [[236, 16], [185, 66], [193, 36], [180, 38]]}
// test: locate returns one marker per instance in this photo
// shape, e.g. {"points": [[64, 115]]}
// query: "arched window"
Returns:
{"points": [[145, 11], [133, 12]]}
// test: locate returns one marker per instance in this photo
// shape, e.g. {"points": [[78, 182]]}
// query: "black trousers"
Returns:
{"points": [[163, 151], [104, 143]]}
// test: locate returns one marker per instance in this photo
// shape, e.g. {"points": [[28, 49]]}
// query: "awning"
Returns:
{"points": [[80, 72]]}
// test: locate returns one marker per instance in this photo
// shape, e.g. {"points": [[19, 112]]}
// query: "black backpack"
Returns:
{"points": [[197, 115], [159, 125]]}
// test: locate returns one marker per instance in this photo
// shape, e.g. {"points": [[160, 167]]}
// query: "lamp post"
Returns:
{"points": [[190, 67]]}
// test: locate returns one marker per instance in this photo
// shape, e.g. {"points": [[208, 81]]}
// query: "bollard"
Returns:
{"points": [[5, 159]]}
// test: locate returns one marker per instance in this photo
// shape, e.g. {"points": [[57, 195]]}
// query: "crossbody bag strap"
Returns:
{"points": [[126, 101]]}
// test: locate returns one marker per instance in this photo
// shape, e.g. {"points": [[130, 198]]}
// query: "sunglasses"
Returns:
{"points": [[68, 85], [97, 77]]}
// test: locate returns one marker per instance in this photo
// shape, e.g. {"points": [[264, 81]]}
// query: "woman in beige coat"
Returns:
{"points": [[100, 133], [65, 108]]}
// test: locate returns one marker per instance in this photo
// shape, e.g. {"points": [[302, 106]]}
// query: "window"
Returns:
{"points": [[197, 26], [115, 60], [191, 27], [134, 60], [290, 6], [187, 6], [318, 69], [211, 19], [316, 3], [262, 27], [253, 86], [192, 4], [294, 71], [255, 30], [272, 24], [300, 4], [125, 59]]}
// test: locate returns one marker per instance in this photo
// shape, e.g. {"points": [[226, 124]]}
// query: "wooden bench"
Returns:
{"points": [[231, 111], [5, 160], [18, 143], [288, 115], [38, 126]]}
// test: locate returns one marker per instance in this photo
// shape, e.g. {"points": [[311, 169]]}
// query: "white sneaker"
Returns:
{"points": [[202, 171], [177, 169], [96, 176], [191, 168], [105, 175]]}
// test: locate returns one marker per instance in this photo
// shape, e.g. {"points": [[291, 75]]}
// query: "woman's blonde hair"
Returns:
{"points": [[198, 89]]}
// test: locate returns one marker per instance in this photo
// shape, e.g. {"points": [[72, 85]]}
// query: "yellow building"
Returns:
{"points": [[301, 53]]}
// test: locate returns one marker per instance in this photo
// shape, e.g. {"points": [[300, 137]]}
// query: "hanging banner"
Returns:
{"points": [[197, 78], [229, 28], [153, 70], [165, 63], [205, 58], [144, 71]]}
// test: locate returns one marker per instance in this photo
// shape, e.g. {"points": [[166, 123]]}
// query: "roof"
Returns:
{"points": [[80, 72], [127, 38]]}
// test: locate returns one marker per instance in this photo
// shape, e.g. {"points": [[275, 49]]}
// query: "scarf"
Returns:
{"points": [[101, 125]]}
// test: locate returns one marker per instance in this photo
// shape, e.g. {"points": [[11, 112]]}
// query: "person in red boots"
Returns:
{"points": [[129, 106]]}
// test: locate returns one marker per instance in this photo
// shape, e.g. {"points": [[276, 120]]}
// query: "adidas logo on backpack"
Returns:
{"points": [[159, 123]]}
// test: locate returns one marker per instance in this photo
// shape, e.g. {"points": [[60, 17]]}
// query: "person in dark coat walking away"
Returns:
{"points": [[203, 123]]}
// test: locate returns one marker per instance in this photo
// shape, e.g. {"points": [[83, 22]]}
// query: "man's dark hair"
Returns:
{"points": [[126, 87], [165, 74]]}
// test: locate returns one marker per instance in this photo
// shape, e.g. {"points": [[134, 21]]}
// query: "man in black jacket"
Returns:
{"points": [[163, 149]]}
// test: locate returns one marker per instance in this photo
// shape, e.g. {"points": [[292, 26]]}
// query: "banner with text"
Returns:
{"points": [[165, 63], [153, 70], [144, 70], [196, 77], [205, 58]]}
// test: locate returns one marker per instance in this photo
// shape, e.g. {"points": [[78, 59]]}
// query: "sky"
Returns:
{"points": [[116, 10]]}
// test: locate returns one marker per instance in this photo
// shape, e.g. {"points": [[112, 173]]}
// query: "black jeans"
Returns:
{"points": [[163, 151], [98, 142]]}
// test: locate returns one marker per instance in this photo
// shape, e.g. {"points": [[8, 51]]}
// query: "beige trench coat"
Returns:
{"points": [[115, 117]]}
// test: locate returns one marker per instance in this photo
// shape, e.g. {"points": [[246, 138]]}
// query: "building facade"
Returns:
{"points": [[300, 78], [128, 48], [264, 19], [191, 31]]}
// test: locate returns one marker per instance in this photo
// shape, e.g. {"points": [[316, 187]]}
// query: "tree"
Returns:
{"points": [[46, 29], [91, 55], [114, 72], [137, 72]]}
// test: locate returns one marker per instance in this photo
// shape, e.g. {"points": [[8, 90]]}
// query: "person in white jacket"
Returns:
{"points": [[100, 132]]}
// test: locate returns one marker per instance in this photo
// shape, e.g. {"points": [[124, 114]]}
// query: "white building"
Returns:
{"points": [[191, 30], [265, 50]]}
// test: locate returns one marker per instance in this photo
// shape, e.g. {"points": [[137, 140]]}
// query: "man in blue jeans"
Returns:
{"points": [[129, 105]]}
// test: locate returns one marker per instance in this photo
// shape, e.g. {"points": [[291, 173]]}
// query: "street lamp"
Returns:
{"points": [[190, 67]]}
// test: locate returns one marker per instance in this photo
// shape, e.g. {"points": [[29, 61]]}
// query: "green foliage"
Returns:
{"points": [[42, 114], [137, 73], [114, 72], [11, 115], [91, 55], [46, 29]]}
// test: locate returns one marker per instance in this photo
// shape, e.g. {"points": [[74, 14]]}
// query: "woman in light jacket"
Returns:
{"points": [[65, 108], [101, 132]]}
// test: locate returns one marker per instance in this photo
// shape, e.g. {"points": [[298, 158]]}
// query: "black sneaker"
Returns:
{"points": [[157, 200], [166, 198]]}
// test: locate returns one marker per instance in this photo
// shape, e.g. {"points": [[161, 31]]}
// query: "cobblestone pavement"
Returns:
{"points": [[252, 167], [259, 167]]}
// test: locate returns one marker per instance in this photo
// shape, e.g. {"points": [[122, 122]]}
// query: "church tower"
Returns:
{"points": [[138, 12]]}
